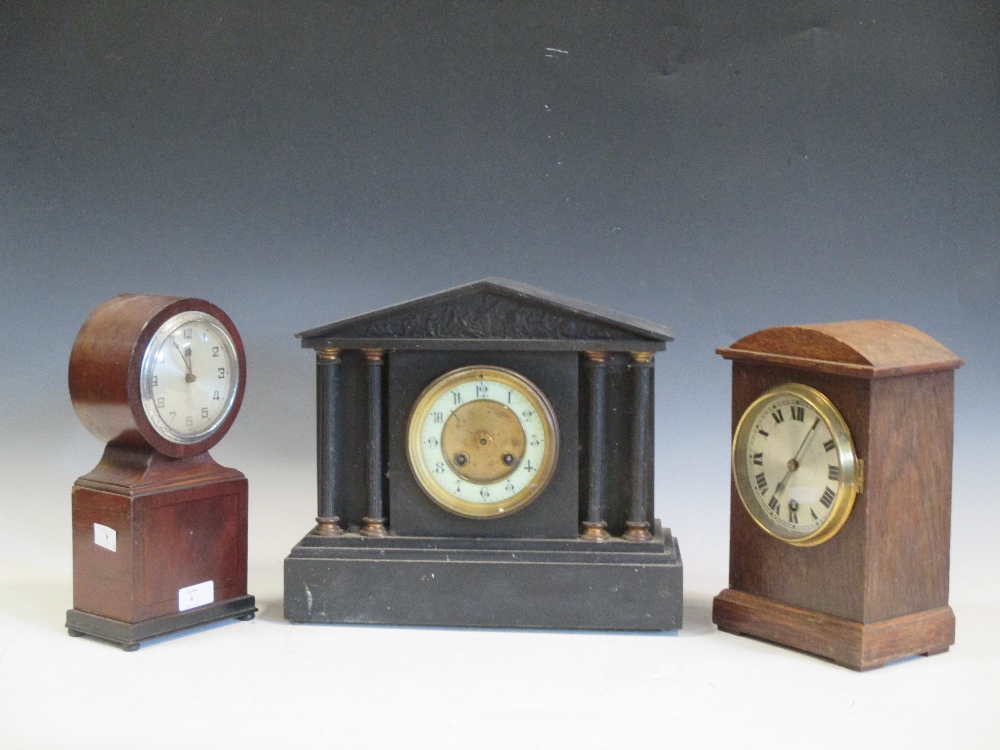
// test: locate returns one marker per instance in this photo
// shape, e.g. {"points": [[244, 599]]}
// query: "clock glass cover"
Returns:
{"points": [[482, 441], [794, 465], [189, 376]]}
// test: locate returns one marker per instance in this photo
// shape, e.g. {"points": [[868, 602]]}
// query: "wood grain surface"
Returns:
{"points": [[878, 590]]}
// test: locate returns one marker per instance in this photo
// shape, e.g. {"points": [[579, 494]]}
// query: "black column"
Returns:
{"points": [[327, 371], [374, 523], [637, 526], [594, 525]]}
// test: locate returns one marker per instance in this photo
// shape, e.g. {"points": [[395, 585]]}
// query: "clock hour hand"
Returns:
{"points": [[784, 481]]}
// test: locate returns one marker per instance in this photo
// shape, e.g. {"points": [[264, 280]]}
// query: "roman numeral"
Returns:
{"points": [[778, 416], [834, 474], [798, 413], [761, 483], [827, 497], [765, 434], [815, 517], [758, 459], [829, 445], [793, 516], [774, 505]]}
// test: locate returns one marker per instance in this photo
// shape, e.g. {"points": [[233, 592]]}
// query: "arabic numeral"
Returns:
{"points": [[439, 467], [222, 373], [484, 493], [161, 402], [217, 396], [204, 412], [189, 421], [432, 442], [509, 487], [156, 381], [215, 351]]}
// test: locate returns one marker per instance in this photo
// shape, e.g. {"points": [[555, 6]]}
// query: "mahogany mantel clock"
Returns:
{"points": [[841, 491], [159, 528], [485, 459]]}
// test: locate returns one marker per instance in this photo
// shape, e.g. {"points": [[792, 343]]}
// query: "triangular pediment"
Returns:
{"points": [[492, 310]]}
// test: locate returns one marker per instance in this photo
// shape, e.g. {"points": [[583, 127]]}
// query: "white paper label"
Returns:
{"points": [[106, 537], [195, 596]]}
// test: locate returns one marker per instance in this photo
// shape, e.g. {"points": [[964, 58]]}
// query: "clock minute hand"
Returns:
{"points": [[806, 442], [793, 464], [189, 377]]}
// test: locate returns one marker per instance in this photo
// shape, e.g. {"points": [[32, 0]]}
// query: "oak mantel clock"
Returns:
{"points": [[841, 491], [485, 459], [159, 528]]}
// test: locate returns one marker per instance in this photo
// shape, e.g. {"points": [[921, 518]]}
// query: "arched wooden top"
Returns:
{"points": [[861, 348]]}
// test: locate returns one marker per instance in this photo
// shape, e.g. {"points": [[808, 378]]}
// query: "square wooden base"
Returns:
{"points": [[860, 646], [128, 635]]}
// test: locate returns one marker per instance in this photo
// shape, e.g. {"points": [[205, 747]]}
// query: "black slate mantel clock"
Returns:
{"points": [[485, 458]]}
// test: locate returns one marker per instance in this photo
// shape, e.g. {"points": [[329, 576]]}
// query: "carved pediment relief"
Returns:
{"points": [[492, 309]]}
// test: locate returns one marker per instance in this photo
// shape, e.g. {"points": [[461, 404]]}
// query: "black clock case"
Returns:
{"points": [[531, 569]]}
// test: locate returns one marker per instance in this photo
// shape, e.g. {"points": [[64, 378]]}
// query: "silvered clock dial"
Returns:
{"points": [[189, 377], [795, 465]]}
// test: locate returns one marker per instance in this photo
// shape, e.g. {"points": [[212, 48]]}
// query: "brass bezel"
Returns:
{"points": [[849, 487], [460, 506]]}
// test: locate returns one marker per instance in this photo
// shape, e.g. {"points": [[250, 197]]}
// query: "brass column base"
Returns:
{"points": [[637, 531], [595, 531], [373, 527], [328, 526]]}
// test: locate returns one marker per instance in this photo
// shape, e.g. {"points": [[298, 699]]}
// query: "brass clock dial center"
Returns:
{"points": [[483, 441]]}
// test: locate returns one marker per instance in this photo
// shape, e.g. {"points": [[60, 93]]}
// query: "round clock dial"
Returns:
{"points": [[189, 377], [482, 441], [794, 465]]}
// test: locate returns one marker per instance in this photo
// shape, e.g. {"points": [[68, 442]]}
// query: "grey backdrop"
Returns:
{"points": [[717, 166]]}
